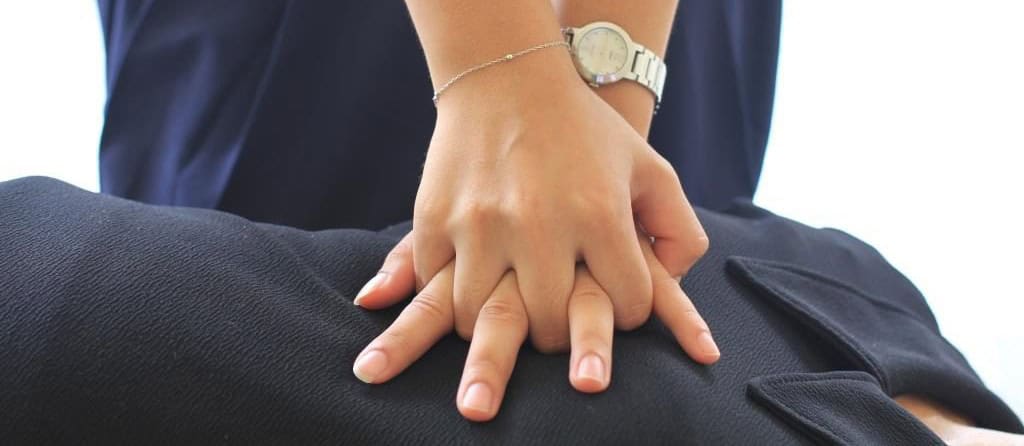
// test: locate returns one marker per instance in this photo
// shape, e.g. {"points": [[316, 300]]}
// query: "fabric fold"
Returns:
{"points": [[839, 408], [881, 335]]}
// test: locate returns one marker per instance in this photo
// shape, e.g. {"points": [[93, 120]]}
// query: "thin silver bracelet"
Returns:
{"points": [[505, 58]]}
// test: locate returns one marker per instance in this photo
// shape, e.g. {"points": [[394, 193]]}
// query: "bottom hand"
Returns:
{"points": [[502, 327]]}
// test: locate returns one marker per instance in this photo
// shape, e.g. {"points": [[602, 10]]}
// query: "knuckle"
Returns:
{"points": [[395, 339], [664, 170], [522, 200], [429, 305], [597, 208], [482, 366], [692, 313], [498, 310], [588, 292], [476, 214], [521, 215]]}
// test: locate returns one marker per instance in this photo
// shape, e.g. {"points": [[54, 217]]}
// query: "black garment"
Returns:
{"points": [[135, 324], [317, 114]]}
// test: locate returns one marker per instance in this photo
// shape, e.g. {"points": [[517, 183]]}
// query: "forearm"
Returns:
{"points": [[648, 23], [952, 427]]}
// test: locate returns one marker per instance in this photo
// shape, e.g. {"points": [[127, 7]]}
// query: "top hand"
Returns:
{"points": [[529, 170]]}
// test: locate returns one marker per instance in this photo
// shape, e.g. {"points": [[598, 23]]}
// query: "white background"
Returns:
{"points": [[898, 121]]}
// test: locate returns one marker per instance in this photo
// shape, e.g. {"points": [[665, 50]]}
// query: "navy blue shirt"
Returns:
{"points": [[317, 114]]}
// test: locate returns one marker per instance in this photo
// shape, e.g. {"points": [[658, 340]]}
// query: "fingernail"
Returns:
{"points": [[478, 397], [591, 367], [707, 344], [370, 286], [369, 365]]}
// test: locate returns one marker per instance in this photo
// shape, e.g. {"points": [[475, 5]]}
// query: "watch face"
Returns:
{"points": [[603, 52]]}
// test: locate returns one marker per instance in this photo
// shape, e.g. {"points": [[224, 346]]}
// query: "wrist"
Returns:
{"points": [[537, 80], [632, 101]]}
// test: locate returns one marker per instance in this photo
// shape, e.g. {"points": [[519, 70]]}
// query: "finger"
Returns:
{"points": [[591, 326], [476, 274], [615, 261], [426, 319], [675, 309], [545, 281], [499, 332], [395, 280], [663, 211], [432, 248]]}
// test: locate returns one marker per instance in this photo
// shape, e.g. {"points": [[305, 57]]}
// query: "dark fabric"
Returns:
{"points": [[129, 323], [846, 408], [833, 311], [317, 114]]}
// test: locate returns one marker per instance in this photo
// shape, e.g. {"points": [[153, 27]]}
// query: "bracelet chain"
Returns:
{"points": [[505, 58]]}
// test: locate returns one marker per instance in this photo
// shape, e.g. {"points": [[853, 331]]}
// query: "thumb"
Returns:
{"points": [[663, 211], [394, 282]]}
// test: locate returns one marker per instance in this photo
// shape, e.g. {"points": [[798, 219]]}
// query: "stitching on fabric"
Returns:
{"points": [[778, 383], [863, 377], [813, 275], [745, 265], [809, 275], [760, 388]]}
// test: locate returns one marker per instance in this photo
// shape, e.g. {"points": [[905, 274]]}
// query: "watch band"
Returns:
{"points": [[646, 68], [649, 70]]}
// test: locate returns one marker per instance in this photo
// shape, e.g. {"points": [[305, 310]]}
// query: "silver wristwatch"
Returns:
{"points": [[604, 53]]}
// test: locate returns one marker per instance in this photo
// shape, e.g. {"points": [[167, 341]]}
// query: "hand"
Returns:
{"points": [[529, 170], [501, 328], [518, 150]]}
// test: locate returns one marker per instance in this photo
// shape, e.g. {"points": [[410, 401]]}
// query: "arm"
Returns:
{"points": [[951, 427], [649, 25]]}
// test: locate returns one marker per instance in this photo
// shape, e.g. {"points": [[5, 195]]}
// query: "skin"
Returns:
{"points": [[953, 428], [501, 327], [500, 253]]}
